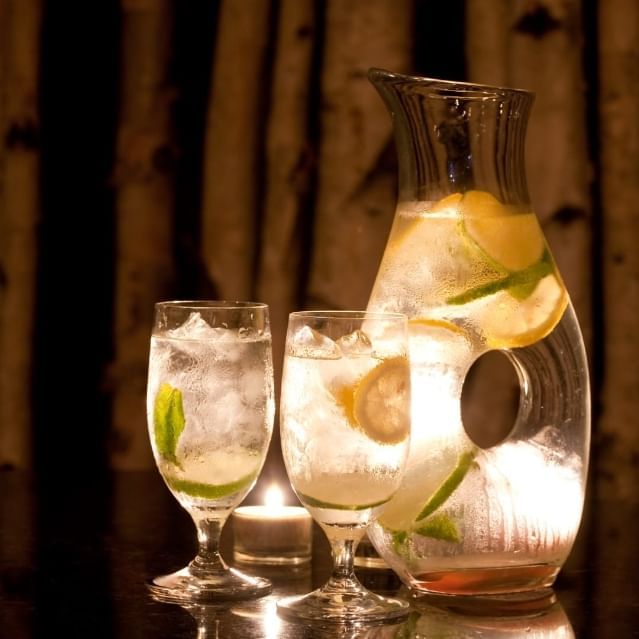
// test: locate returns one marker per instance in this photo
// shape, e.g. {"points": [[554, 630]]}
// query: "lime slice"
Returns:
{"points": [[377, 403], [439, 526], [449, 485], [319, 503], [402, 521], [208, 491], [168, 421]]}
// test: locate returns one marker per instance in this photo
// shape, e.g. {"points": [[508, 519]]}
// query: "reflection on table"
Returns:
{"points": [[74, 558], [429, 617]]}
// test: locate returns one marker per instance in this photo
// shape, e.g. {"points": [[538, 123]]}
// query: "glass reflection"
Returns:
{"points": [[207, 618], [431, 616], [437, 618], [262, 620], [263, 614], [382, 631]]}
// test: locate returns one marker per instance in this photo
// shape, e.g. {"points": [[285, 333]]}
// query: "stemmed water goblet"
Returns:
{"points": [[345, 424], [210, 411]]}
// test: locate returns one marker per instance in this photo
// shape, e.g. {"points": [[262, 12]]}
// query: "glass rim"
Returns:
{"points": [[211, 304], [348, 314], [454, 88]]}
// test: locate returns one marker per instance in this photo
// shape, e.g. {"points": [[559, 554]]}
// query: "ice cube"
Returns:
{"points": [[249, 333], [195, 327], [554, 445], [307, 342], [550, 438], [355, 344]]}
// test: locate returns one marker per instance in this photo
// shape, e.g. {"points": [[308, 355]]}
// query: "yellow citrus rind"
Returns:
{"points": [[419, 325], [377, 403], [509, 237], [515, 324]]}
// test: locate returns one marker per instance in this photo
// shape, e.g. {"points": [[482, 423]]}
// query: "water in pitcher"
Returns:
{"points": [[473, 272]]}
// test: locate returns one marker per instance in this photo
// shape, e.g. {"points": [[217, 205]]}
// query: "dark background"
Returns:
{"points": [[79, 111]]}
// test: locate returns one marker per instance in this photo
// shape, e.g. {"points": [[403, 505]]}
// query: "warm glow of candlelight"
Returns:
{"points": [[273, 497], [272, 533]]}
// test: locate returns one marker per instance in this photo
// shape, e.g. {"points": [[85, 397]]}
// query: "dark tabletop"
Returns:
{"points": [[74, 558]]}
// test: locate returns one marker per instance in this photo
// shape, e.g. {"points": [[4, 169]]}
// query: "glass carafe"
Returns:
{"points": [[467, 261]]}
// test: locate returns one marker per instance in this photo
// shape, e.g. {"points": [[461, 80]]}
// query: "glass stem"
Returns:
{"points": [[208, 555], [343, 577]]}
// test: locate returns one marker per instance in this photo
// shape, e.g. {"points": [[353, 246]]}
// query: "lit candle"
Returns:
{"points": [[272, 533]]}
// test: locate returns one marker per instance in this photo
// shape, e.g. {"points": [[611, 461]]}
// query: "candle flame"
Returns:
{"points": [[274, 497]]}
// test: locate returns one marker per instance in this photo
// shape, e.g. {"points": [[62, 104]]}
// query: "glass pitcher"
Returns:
{"points": [[467, 261]]}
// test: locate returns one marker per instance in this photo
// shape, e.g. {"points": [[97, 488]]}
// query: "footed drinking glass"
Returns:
{"points": [[210, 412], [345, 421]]}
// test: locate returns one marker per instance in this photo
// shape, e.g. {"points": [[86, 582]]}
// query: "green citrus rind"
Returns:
{"points": [[203, 490], [312, 502]]}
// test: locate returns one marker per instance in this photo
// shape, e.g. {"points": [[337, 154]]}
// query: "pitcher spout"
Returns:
{"points": [[452, 137]]}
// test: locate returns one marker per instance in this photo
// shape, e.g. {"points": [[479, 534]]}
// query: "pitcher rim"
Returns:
{"points": [[379, 74]]}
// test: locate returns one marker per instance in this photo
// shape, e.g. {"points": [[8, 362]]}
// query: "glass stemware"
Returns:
{"points": [[210, 410], [345, 423]]}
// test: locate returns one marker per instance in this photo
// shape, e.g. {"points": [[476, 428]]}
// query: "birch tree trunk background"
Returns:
{"points": [[288, 165], [355, 184], [144, 208], [232, 186], [20, 23], [237, 151], [538, 46], [618, 434]]}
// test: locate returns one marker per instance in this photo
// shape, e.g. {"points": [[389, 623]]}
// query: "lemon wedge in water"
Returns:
{"points": [[377, 403], [509, 237], [531, 297]]}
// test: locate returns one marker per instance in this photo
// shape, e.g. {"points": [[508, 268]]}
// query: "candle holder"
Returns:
{"points": [[272, 533]]}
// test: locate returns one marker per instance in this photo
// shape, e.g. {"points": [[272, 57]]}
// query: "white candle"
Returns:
{"points": [[272, 533]]}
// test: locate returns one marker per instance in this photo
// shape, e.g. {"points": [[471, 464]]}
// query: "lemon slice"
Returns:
{"points": [[426, 325], [479, 261], [409, 224], [509, 237], [530, 296], [377, 403], [483, 204], [436, 340], [516, 323], [513, 242], [451, 201]]}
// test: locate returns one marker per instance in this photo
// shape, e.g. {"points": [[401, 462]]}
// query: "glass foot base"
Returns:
{"points": [[363, 605], [184, 587]]}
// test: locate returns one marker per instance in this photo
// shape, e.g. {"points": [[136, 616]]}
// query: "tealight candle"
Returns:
{"points": [[272, 533]]}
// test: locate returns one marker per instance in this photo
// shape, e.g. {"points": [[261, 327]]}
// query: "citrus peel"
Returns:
{"points": [[377, 403]]}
